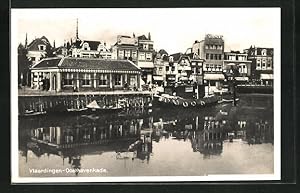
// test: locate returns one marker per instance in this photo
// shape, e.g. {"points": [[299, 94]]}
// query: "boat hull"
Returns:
{"points": [[161, 101]]}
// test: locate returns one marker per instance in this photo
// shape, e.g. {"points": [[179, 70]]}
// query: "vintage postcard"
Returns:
{"points": [[145, 95]]}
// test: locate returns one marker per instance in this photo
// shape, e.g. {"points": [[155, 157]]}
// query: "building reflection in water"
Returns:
{"points": [[133, 138]]}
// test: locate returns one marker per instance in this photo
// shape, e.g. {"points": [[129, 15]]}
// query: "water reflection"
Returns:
{"points": [[134, 136]]}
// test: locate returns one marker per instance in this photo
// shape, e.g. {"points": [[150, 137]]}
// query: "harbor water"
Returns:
{"points": [[221, 139]]}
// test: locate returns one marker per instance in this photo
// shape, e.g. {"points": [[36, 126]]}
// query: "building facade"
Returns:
{"points": [[262, 64], [161, 60], [145, 57], [37, 49], [84, 74], [235, 60], [211, 49], [126, 47]]}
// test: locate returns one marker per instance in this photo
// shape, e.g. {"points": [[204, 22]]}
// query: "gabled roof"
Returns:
{"points": [[93, 44], [87, 63], [142, 37], [176, 56], [33, 46], [162, 51], [48, 63]]}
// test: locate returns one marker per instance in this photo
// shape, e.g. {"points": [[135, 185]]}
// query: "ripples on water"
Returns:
{"points": [[215, 140]]}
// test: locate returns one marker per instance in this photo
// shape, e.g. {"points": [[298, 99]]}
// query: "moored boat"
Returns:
{"points": [[176, 101], [93, 107]]}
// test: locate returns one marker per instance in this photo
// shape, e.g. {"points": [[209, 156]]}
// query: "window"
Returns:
{"points": [[127, 53], [85, 46], [42, 47], [216, 56], [142, 56], [206, 47], [118, 79], [199, 70], [167, 68], [211, 56], [179, 71], [68, 80], [220, 56], [86, 81], [207, 56], [263, 64], [264, 52], [269, 63], [132, 80], [173, 68], [134, 54], [258, 64], [148, 56], [145, 46], [121, 53], [103, 79]]}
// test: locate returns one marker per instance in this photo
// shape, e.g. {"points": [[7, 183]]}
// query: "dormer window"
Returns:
{"points": [[85, 46], [42, 47], [264, 52], [171, 59]]}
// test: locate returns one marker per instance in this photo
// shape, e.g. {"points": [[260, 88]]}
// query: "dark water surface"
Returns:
{"points": [[216, 140]]}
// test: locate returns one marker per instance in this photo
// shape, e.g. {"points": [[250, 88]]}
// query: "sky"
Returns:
{"points": [[172, 29]]}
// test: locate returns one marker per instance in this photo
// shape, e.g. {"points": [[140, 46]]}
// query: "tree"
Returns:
{"points": [[23, 66]]}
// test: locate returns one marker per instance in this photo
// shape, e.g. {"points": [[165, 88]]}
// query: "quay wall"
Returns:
{"points": [[52, 103], [255, 89]]}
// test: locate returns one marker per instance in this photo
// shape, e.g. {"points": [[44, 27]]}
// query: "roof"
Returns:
{"points": [[87, 63], [48, 63], [146, 64], [93, 44], [176, 56], [162, 51], [33, 46], [165, 58], [193, 56], [142, 37]]}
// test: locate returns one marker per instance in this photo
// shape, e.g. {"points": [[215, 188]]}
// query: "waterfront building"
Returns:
{"points": [[86, 49], [160, 61], [37, 49], [84, 74], [196, 66], [61, 51], [238, 61], [171, 69], [211, 49], [126, 47], [138, 50], [262, 64], [145, 57]]}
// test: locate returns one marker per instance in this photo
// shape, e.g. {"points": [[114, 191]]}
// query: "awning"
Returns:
{"points": [[160, 78], [183, 78], [145, 64], [214, 76], [239, 78], [266, 76], [171, 78]]}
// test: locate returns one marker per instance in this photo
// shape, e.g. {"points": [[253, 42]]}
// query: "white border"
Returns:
{"points": [[14, 126]]}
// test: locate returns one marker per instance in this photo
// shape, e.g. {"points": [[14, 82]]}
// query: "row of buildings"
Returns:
{"points": [[133, 62]]}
